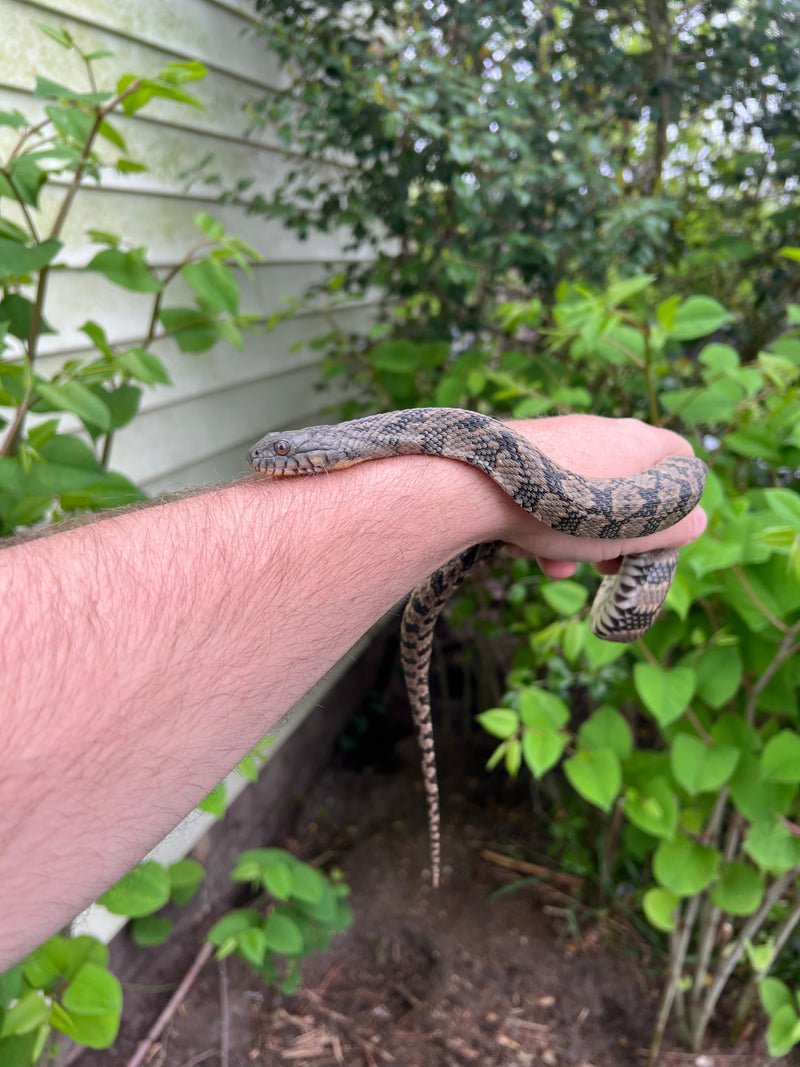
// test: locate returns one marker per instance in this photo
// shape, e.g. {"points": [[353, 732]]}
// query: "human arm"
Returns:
{"points": [[144, 654]]}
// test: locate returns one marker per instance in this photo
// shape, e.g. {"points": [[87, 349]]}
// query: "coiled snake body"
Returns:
{"points": [[626, 604]]}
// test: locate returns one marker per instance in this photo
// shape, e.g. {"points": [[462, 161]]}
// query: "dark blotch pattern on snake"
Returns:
{"points": [[626, 604]]}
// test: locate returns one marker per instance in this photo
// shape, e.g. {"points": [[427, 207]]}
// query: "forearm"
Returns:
{"points": [[144, 655]]}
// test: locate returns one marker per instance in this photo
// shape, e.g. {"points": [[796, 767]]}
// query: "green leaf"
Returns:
{"points": [[94, 1003], [29, 1013], [685, 867], [17, 259], [784, 1031], [398, 356], [607, 728], [74, 397], [772, 847], [564, 596], [112, 490], [719, 674], [15, 119], [696, 317], [739, 890], [190, 328], [214, 285], [701, 768], [122, 403], [620, 292], [126, 269], [150, 930], [51, 90], [756, 799], [499, 722], [71, 122], [145, 367], [232, 925], [60, 958], [141, 891], [601, 653], [215, 803], [513, 757], [719, 358], [185, 878], [774, 994], [780, 760], [211, 227], [283, 935], [596, 775], [277, 879], [540, 708], [24, 181], [252, 945], [659, 908], [248, 768], [147, 89], [17, 311], [308, 885], [665, 693], [652, 807], [112, 135], [542, 748]]}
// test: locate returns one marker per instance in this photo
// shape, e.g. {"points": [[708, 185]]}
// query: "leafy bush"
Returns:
{"points": [[65, 985], [305, 910], [44, 470]]}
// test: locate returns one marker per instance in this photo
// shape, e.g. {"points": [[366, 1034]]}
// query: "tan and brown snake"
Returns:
{"points": [[626, 604]]}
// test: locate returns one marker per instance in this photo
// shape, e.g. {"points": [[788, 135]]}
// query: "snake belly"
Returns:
{"points": [[626, 604]]}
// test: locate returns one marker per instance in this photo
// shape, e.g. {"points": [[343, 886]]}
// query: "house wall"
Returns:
{"points": [[198, 430]]}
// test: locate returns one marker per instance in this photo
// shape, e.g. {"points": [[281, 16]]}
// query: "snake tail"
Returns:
{"points": [[419, 619]]}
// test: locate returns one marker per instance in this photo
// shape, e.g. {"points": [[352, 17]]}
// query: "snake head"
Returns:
{"points": [[290, 453]]}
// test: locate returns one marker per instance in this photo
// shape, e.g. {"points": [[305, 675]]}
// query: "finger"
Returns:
{"points": [[549, 544], [557, 568]]}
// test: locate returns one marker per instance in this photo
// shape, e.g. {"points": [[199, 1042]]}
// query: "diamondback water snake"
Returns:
{"points": [[626, 604]]}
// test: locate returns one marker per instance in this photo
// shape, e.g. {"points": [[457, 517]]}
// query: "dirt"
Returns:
{"points": [[496, 968]]}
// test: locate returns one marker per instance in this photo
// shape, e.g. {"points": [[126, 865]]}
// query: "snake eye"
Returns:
{"points": [[281, 448]]}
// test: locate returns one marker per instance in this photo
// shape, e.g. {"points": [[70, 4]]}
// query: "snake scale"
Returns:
{"points": [[626, 604]]}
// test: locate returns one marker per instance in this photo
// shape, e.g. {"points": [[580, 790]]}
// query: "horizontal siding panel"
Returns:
{"points": [[143, 34], [207, 432], [164, 225], [281, 350]]}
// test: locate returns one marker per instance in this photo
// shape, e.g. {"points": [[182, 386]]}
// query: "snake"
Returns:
{"points": [[626, 604]]}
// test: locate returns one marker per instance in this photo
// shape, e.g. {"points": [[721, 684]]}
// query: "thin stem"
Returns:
{"points": [[727, 964], [779, 624], [679, 945], [710, 916], [702, 733], [785, 652], [782, 935]]}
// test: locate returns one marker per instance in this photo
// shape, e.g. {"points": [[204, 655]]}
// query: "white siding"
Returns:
{"points": [[198, 430]]}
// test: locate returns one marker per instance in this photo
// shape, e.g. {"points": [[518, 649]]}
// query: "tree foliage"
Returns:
{"points": [[496, 148]]}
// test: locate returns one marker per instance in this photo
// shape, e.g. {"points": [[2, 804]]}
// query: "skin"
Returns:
{"points": [[145, 654]]}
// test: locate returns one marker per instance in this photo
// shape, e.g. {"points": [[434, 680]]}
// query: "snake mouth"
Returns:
{"points": [[297, 465]]}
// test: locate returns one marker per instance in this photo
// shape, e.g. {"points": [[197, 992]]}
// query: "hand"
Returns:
{"points": [[596, 447]]}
